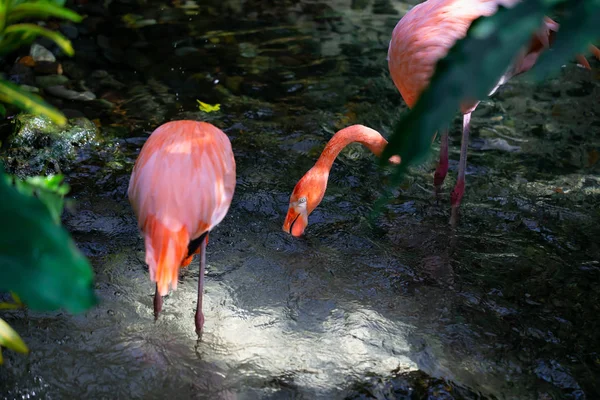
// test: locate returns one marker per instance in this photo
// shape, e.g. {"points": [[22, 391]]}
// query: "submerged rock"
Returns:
{"points": [[150, 101], [45, 81], [38, 146], [63, 92]]}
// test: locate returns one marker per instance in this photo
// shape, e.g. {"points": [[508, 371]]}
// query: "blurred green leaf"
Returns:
{"points": [[49, 189], [10, 339], [3, 12], [12, 94], [35, 30], [41, 10], [470, 70], [16, 304], [55, 2], [579, 27], [38, 259]]}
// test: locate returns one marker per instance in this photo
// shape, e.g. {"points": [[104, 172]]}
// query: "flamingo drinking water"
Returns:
{"points": [[180, 189], [425, 35], [310, 189]]}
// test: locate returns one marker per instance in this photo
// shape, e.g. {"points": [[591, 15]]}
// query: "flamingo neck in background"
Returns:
{"points": [[368, 137]]}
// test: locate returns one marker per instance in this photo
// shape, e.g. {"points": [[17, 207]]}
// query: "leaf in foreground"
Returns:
{"points": [[41, 10], [10, 339], [50, 190], [579, 27], [35, 30], [12, 94], [39, 260], [469, 71]]}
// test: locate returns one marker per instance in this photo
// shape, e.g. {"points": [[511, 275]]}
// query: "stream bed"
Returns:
{"points": [[505, 306]]}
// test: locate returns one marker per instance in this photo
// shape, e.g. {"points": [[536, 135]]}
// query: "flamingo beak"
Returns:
{"points": [[295, 222]]}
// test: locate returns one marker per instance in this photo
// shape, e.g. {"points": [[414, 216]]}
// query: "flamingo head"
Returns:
{"points": [[307, 195]]}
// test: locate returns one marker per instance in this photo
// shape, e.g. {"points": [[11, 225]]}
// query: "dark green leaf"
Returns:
{"points": [[38, 259], [579, 27], [469, 71], [35, 30], [12, 94], [50, 190]]}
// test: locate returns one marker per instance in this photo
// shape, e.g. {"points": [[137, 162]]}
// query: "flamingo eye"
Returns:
{"points": [[302, 200]]}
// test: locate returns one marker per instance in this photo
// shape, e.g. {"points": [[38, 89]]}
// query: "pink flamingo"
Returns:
{"points": [[310, 189], [180, 189], [423, 36]]}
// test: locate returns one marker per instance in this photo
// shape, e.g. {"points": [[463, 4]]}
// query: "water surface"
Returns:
{"points": [[505, 306]]}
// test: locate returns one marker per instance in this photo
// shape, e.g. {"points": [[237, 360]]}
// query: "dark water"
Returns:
{"points": [[506, 306]]}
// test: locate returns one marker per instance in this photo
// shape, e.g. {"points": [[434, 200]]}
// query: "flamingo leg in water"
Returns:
{"points": [[459, 189], [442, 168], [199, 314], [158, 302]]}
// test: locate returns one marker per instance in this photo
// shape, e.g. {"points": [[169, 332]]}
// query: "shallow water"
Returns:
{"points": [[505, 306]]}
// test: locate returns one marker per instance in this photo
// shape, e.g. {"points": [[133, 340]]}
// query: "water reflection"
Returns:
{"points": [[504, 306]]}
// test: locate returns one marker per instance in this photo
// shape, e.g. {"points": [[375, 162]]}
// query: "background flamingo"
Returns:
{"points": [[423, 36], [180, 189], [310, 189]]}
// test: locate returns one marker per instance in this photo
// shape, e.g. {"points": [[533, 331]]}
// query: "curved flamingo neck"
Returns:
{"points": [[368, 137]]}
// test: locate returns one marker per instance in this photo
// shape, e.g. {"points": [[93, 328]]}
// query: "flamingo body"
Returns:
{"points": [[425, 35], [180, 189]]}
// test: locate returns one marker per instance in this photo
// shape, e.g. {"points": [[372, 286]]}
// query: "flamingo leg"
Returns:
{"points": [[442, 168], [199, 314], [459, 189], [158, 302]]}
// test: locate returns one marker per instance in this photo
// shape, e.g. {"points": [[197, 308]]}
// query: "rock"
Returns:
{"points": [[99, 74], [40, 53], [70, 113], [150, 101], [499, 144], [48, 68], [101, 78], [27, 61], [63, 92], [137, 60], [69, 30], [21, 75], [103, 104], [384, 7], [233, 83], [74, 71], [38, 146], [45, 81], [186, 50], [31, 89], [248, 50]]}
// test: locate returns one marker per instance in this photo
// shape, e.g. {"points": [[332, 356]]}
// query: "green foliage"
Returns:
{"points": [[474, 65], [10, 339], [42, 10], [49, 189], [15, 35], [38, 259], [11, 93], [580, 26]]}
